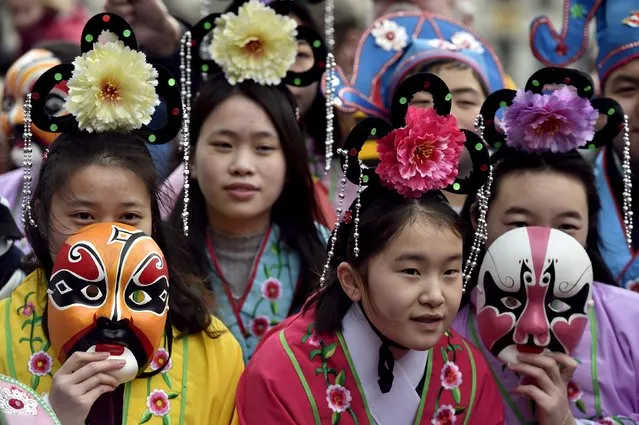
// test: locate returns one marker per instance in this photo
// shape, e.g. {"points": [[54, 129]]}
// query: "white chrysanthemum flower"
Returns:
{"points": [[465, 40], [112, 88], [256, 44], [389, 35]]}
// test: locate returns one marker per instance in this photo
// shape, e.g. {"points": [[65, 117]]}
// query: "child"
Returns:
{"points": [[100, 170], [539, 179], [250, 210], [374, 345]]}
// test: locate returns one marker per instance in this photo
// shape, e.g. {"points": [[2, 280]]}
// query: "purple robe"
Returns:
{"points": [[606, 382]]}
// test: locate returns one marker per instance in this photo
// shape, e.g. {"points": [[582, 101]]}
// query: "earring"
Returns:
{"points": [[27, 164], [627, 183], [185, 80]]}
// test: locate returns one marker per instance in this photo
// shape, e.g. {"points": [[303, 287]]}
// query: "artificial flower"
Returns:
{"points": [[421, 156], [338, 398], [467, 41], [112, 88], [158, 403], [256, 44], [389, 35], [558, 122]]}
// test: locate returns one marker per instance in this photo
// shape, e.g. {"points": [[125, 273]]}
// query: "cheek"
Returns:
{"points": [[492, 326], [495, 228], [272, 171], [391, 296]]}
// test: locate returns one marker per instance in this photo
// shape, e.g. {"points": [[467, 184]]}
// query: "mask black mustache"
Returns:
{"points": [[107, 331]]}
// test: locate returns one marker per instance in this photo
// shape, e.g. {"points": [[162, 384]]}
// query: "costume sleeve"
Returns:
{"points": [[489, 407], [227, 381]]}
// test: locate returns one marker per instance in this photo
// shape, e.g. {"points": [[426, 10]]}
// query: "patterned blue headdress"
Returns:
{"points": [[396, 44], [617, 34]]}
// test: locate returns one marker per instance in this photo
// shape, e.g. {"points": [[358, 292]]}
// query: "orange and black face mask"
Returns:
{"points": [[109, 292]]}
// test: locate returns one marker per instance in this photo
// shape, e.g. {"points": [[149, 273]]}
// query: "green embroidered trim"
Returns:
{"points": [[7, 326], [474, 386], [127, 400], [504, 394], [593, 360], [349, 359], [185, 370], [301, 377], [422, 401]]}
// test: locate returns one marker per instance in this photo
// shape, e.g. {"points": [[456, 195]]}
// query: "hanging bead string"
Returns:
{"points": [[340, 204], [185, 143], [329, 35], [481, 233], [627, 184], [358, 206], [27, 164]]}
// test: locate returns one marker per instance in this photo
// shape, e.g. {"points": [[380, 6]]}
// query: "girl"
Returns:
{"points": [[373, 345], [535, 187], [251, 211], [99, 170]]}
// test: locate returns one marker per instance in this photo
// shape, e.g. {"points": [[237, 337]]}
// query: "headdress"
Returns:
{"points": [[617, 34], [256, 42], [111, 88], [538, 120], [419, 152]]}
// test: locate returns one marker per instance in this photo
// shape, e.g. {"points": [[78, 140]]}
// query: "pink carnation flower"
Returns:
{"points": [[422, 156], [558, 122]]}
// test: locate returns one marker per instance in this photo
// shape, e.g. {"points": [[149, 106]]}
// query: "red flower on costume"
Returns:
{"points": [[260, 325], [40, 363], [272, 289], [606, 421], [314, 340], [158, 403], [633, 286], [421, 156], [338, 398], [445, 415], [160, 359], [451, 376], [574, 392]]}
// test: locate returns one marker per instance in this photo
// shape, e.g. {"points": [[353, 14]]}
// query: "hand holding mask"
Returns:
{"points": [[109, 292]]}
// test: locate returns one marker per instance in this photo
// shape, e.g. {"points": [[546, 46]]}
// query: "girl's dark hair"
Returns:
{"points": [[294, 212], [73, 151], [571, 164], [383, 215]]}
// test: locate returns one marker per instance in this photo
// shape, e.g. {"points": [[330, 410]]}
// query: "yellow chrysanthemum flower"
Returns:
{"points": [[112, 88], [256, 44]]}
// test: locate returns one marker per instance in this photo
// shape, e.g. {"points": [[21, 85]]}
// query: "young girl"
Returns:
{"points": [[251, 211], [99, 170], [535, 187], [374, 345]]}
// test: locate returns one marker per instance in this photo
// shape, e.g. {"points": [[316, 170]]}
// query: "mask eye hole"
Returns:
{"points": [[91, 292], [140, 297], [511, 302], [558, 306]]}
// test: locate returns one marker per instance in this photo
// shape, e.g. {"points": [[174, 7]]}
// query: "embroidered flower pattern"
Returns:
{"points": [[40, 363], [161, 361], [441, 44], [15, 401], [445, 415], [574, 392], [606, 421], [260, 325], [633, 285], [389, 35], [451, 376], [314, 340], [272, 289], [466, 41], [338, 398], [158, 403], [28, 309], [632, 20], [255, 44]]}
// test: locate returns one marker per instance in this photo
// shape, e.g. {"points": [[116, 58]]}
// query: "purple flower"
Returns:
{"points": [[558, 122]]}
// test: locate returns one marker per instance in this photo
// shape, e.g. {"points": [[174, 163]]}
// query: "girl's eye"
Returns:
{"points": [[83, 216], [222, 145], [131, 217], [412, 272], [518, 224], [265, 149], [452, 273], [567, 227]]}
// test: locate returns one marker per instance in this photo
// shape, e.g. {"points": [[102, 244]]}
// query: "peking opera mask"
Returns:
{"points": [[533, 294], [109, 292]]}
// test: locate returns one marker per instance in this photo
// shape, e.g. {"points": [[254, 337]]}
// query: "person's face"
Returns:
{"points": [[543, 199], [97, 194], [414, 284], [239, 162], [345, 51], [623, 86], [25, 13]]}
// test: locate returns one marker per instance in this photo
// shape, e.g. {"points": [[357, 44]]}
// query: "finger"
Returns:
{"points": [[544, 362], [567, 365], [533, 393], [95, 393], [79, 359], [95, 381], [95, 368], [538, 374]]}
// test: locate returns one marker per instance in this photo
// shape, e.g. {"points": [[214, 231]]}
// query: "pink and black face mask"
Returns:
{"points": [[533, 293]]}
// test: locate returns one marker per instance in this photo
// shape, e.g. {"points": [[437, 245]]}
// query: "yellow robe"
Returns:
{"points": [[199, 388]]}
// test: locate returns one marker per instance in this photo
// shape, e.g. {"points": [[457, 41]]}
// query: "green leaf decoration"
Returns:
{"points": [[336, 418], [332, 372], [167, 379], [35, 381], [616, 420], [166, 420], [305, 338], [46, 345], [267, 273], [27, 323], [274, 322], [146, 416], [309, 329], [457, 347], [330, 350], [459, 410], [350, 412], [25, 339], [173, 395], [37, 320], [341, 378], [444, 354], [319, 370], [273, 307], [315, 353], [456, 395], [581, 406]]}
